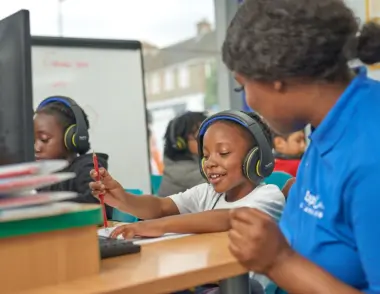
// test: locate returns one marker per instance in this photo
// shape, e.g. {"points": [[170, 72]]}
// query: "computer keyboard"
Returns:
{"points": [[110, 247]]}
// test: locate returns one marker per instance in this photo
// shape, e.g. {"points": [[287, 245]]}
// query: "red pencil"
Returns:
{"points": [[101, 196]]}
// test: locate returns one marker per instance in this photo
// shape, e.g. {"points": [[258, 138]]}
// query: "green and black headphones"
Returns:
{"points": [[76, 137], [259, 161], [177, 141]]}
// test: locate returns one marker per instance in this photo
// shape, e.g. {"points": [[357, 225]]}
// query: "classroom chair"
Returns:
{"points": [[123, 217], [156, 183], [278, 178]]}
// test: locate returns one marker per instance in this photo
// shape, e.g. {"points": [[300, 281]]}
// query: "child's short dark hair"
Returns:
{"points": [[63, 114], [184, 125]]}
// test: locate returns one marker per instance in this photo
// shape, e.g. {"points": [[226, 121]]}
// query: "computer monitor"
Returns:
{"points": [[16, 101]]}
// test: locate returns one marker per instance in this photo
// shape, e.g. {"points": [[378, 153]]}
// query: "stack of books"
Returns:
{"points": [[19, 184]]}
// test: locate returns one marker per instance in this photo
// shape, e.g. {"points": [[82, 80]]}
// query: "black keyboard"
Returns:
{"points": [[110, 247]]}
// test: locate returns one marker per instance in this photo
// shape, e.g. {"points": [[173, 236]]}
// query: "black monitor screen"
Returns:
{"points": [[16, 101]]}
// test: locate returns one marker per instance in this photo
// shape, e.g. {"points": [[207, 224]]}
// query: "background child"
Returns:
{"points": [[288, 151], [181, 167], [52, 121], [223, 145]]}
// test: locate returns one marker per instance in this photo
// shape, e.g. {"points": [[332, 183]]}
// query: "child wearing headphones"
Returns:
{"points": [[236, 152], [288, 151], [181, 167], [61, 132]]}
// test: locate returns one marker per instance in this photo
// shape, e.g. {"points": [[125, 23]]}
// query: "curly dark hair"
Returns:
{"points": [[63, 114], [272, 40]]}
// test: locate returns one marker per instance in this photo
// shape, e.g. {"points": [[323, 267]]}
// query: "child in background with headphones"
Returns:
{"points": [[236, 152], [61, 132], [181, 167], [288, 151]]}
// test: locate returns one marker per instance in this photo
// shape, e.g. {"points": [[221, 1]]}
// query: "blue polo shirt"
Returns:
{"points": [[332, 216]]}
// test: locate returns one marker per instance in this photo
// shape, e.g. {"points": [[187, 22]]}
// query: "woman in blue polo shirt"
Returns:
{"points": [[291, 58]]}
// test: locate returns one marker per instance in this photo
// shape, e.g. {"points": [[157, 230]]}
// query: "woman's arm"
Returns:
{"points": [[258, 244], [297, 275]]}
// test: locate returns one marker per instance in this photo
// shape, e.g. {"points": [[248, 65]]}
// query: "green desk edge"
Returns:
{"points": [[74, 219]]}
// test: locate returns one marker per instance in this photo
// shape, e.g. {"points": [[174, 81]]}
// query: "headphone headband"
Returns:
{"points": [[80, 138], [265, 164]]}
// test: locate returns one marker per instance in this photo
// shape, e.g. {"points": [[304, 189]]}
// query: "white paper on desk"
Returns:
{"points": [[106, 232]]}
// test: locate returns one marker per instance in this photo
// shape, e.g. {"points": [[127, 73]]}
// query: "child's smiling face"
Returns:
{"points": [[225, 145]]}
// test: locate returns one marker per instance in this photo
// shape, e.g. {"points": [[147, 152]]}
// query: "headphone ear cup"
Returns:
{"points": [[69, 138], [203, 171], [251, 164], [180, 143]]}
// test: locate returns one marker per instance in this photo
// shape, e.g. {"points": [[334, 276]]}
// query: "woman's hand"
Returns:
{"points": [[256, 241], [111, 189], [142, 229]]}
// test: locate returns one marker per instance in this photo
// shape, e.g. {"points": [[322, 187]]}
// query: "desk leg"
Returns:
{"points": [[235, 285]]}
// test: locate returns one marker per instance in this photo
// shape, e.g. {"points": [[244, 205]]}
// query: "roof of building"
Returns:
{"points": [[202, 45]]}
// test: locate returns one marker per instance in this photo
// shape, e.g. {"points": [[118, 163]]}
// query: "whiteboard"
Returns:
{"points": [[106, 79]]}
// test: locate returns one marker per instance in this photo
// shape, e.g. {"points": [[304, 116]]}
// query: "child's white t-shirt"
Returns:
{"points": [[267, 198]]}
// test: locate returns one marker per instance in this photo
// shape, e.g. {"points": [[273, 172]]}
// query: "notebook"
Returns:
{"points": [[106, 232]]}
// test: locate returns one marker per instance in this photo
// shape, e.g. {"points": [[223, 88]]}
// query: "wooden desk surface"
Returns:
{"points": [[161, 267]]}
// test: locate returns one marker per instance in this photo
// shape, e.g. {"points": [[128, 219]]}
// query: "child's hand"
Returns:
{"points": [[143, 229], [113, 192]]}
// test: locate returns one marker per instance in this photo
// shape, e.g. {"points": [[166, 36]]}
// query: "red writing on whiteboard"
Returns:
{"points": [[68, 64], [59, 84], [82, 64], [51, 59]]}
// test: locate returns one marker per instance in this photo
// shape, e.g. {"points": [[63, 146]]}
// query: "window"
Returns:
{"points": [[155, 83], [169, 80], [183, 77]]}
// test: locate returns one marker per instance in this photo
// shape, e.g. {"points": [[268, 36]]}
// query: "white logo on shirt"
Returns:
{"points": [[312, 205]]}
